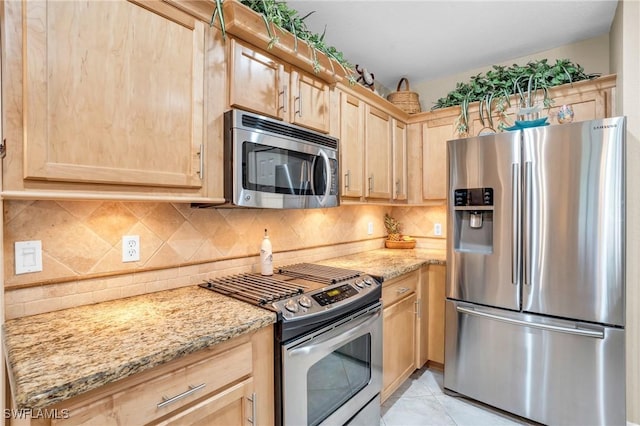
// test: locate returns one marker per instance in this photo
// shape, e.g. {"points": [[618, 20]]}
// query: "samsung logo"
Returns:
{"points": [[605, 126]]}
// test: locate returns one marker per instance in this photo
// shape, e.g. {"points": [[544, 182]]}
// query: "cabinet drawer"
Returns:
{"points": [[400, 287], [139, 404]]}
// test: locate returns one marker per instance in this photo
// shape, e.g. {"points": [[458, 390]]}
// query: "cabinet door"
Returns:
{"points": [[113, 93], [351, 145], [310, 102], [436, 296], [256, 82], [400, 169], [378, 162], [232, 406], [434, 160], [399, 331]]}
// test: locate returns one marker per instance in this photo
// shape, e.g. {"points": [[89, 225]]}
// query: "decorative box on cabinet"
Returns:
{"points": [[261, 83], [99, 109]]}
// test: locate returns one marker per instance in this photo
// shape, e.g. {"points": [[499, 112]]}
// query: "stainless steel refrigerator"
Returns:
{"points": [[535, 309]]}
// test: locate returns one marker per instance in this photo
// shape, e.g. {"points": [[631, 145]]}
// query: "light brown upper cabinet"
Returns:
{"points": [[400, 168], [373, 150], [590, 99], [351, 145], [378, 154], [261, 83], [106, 100]]}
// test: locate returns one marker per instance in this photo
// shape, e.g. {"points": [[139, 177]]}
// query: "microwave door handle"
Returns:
{"points": [[327, 169]]}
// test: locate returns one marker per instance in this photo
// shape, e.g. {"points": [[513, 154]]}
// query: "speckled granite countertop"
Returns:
{"points": [[57, 355], [388, 263]]}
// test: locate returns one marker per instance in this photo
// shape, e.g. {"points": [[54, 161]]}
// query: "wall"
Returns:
{"points": [[625, 45], [592, 54], [179, 245]]}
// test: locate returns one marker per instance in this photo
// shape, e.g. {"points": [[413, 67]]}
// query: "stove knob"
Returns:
{"points": [[359, 283], [368, 281], [291, 305], [304, 301]]}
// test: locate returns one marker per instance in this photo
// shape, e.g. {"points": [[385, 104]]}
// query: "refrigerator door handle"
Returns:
{"points": [[526, 234], [515, 223], [548, 327]]}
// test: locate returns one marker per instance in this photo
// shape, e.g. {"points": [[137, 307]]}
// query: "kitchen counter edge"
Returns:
{"points": [[102, 343]]}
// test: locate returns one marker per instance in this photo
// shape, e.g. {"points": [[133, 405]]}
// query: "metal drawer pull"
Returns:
{"points": [[547, 327], [192, 389], [254, 410], [402, 290]]}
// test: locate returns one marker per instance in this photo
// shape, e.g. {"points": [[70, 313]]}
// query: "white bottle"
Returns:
{"points": [[266, 256]]}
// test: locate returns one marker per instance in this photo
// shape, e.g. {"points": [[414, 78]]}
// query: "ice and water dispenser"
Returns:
{"points": [[473, 224]]}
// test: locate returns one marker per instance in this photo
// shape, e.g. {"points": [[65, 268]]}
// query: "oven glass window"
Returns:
{"points": [[334, 379], [282, 171]]}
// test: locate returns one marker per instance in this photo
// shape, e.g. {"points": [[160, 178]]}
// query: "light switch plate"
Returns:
{"points": [[28, 255]]}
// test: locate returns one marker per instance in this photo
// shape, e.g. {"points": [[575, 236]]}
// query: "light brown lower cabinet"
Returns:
{"points": [[435, 313], [413, 325], [228, 384], [399, 331]]}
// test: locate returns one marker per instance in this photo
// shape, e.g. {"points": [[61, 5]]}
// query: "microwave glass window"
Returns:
{"points": [[337, 377], [282, 171]]}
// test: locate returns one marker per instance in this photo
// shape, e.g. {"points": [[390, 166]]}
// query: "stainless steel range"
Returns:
{"points": [[328, 356]]}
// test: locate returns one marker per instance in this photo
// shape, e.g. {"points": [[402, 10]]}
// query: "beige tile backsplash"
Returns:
{"points": [[81, 242]]}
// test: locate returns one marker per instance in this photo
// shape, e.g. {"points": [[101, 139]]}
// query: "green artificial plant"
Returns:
{"points": [[493, 90]]}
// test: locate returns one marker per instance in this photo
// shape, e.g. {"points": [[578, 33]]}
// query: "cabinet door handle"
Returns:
{"points": [[192, 389], [299, 100], [402, 290], [370, 184], [418, 307], [346, 179], [398, 187], [284, 98], [201, 154], [254, 411]]}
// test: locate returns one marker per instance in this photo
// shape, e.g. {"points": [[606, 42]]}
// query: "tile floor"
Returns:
{"points": [[421, 401]]}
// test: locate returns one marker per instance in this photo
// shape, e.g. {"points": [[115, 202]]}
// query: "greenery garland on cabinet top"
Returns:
{"points": [[287, 19], [494, 88]]}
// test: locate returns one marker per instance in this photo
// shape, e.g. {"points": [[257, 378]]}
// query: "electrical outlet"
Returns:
{"points": [[130, 248], [370, 228], [437, 229]]}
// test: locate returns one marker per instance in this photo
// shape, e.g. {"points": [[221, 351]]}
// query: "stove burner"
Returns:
{"points": [[257, 289], [319, 273]]}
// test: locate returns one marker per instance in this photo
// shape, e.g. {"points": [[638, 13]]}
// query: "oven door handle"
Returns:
{"points": [[338, 336]]}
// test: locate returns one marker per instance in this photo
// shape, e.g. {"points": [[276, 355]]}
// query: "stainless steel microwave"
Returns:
{"points": [[273, 164]]}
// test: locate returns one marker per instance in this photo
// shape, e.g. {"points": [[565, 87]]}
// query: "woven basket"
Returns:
{"points": [[405, 99]]}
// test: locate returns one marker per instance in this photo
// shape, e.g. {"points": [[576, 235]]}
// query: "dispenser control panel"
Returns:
{"points": [[473, 197]]}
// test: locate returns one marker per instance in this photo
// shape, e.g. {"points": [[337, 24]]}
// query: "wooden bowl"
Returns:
{"points": [[399, 244]]}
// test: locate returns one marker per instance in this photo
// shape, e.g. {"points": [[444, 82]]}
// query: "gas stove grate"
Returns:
{"points": [[256, 289], [319, 273]]}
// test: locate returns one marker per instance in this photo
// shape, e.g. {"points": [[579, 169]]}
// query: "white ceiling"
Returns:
{"points": [[428, 39]]}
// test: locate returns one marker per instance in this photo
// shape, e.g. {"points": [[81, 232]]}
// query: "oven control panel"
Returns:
{"points": [[338, 294], [335, 294]]}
